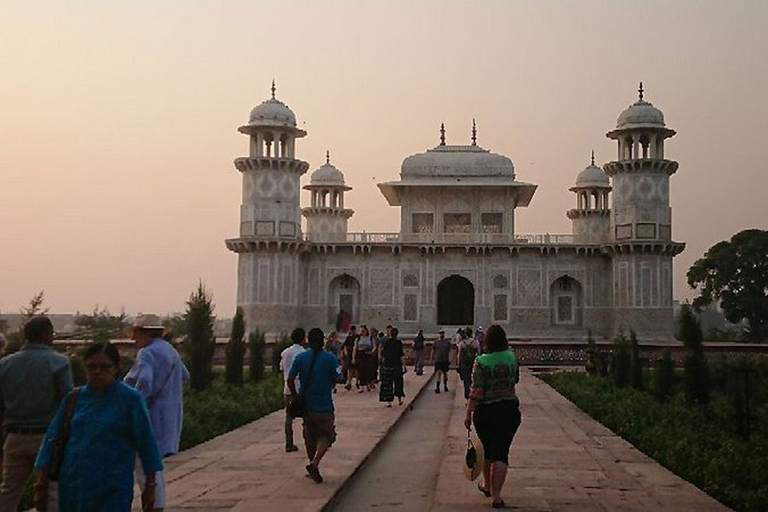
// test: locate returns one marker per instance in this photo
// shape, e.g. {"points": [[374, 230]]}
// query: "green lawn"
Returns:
{"points": [[700, 444]]}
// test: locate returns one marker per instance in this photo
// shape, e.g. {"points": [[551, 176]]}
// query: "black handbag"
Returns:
{"points": [[60, 443], [298, 407]]}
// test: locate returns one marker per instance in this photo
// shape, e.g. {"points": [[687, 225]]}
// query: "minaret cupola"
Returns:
{"points": [[326, 217], [591, 217]]}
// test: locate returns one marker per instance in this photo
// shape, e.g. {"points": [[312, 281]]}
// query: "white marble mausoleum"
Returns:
{"points": [[457, 259]]}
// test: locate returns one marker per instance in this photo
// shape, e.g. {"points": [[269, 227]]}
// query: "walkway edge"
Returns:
{"points": [[331, 503]]}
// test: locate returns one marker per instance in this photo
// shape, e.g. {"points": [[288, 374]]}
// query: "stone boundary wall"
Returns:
{"points": [[529, 352]]}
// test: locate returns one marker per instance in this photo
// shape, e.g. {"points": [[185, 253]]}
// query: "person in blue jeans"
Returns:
{"points": [[317, 371]]}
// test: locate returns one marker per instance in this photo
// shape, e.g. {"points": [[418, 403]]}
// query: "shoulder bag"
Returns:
{"points": [[60, 443]]}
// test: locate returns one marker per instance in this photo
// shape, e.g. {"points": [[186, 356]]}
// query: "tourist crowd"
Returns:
{"points": [[89, 444]]}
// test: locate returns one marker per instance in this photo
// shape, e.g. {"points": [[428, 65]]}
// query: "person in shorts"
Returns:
{"points": [[318, 370]]}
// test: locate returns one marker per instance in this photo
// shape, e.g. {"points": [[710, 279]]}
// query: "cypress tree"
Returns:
{"points": [[236, 350], [201, 342]]}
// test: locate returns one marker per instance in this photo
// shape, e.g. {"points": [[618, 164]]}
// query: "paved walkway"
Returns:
{"points": [[560, 460], [248, 470]]}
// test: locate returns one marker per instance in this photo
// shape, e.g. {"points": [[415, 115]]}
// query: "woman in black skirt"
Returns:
{"points": [[495, 409], [392, 368]]}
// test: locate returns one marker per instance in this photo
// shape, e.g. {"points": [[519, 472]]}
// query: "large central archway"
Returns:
{"points": [[344, 295], [455, 301]]}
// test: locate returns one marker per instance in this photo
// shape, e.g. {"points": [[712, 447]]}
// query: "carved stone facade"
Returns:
{"points": [[457, 259]]}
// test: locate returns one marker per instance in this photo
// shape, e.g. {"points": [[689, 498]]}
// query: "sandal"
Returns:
{"points": [[485, 492], [499, 504]]}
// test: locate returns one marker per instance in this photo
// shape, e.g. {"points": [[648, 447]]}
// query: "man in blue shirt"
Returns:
{"points": [[33, 381], [159, 375], [318, 371]]}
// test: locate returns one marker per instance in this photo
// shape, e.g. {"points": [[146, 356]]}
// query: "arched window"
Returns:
{"points": [[500, 281], [410, 280]]}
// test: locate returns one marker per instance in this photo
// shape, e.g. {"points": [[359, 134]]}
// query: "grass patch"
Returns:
{"points": [[703, 445]]}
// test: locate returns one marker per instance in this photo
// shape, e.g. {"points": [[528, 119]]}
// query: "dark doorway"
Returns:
{"points": [[455, 301]]}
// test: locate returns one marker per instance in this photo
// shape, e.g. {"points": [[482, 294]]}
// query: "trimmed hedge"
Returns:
{"points": [[223, 407], [702, 444]]}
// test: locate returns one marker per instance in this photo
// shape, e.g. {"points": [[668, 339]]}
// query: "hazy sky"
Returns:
{"points": [[118, 121]]}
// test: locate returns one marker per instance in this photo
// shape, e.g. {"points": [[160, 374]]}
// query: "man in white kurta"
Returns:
{"points": [[159, 374]]}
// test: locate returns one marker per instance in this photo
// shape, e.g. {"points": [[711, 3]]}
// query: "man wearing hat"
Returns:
{"points": [[159, 375]]}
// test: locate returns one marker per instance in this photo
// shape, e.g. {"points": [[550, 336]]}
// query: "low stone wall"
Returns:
{"points": [[529, 352]]}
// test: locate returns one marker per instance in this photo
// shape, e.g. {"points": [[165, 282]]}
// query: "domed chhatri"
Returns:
{"points": [[593, 176], [272, 112], [640, 113], [327, 174]]}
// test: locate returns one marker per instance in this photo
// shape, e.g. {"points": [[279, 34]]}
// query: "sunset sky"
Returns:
{"points": [[118, 121]]}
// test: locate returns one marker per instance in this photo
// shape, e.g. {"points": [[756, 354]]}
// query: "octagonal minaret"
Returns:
{"points": [[640, 241], [591, 217], [270, 240], [326, 217]]}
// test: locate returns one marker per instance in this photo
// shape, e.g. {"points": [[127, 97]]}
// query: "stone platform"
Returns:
{"points": [[561, 460]]}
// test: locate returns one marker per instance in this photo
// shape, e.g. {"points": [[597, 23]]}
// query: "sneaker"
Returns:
{"points": [[291, 448], [314, 473]]}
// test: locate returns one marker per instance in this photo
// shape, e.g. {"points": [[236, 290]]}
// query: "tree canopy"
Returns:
{"points": [[735, 273]]}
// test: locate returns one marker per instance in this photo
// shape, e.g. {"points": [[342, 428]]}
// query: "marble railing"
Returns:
{"points": [[466, 238]]}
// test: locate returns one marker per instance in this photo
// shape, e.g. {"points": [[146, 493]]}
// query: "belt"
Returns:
{"points": [[25, 430]]}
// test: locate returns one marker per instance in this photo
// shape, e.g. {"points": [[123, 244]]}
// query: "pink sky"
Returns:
{"points": [[118, 124]]}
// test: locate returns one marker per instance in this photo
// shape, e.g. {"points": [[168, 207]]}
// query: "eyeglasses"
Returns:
{"points": [[92, 367]]}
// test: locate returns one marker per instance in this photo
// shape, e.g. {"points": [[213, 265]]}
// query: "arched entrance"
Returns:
{"points": [[455, 301], [344, 294], [565, 302]]}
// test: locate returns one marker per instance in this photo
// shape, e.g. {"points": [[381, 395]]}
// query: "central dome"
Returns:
{"points": [[457, 162], [272, 112]]}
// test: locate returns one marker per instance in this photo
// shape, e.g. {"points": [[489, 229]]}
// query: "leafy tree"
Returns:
{"points": [[256, 361], [100, 325], [201, 342], [35, 306], [696, 370], [735, 273], [176, 325], [236, 350]]}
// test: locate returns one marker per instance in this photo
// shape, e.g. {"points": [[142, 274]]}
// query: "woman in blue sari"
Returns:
{"points": [[109, 426]]}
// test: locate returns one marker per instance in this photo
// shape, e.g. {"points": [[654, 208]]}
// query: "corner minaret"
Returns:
{"points": [[641, 174], [591, 217], [271, 173], [270, 218], [326, 217], [640, 241]]}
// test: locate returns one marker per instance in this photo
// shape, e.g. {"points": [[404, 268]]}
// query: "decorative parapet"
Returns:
{"points": [[641, 165], [263, 162]]}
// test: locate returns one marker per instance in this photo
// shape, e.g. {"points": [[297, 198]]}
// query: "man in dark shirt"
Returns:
{"points": [[317, 371], [33, 381], [441, 355]]}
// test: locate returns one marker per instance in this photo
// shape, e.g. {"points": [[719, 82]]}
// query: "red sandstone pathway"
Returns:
{"points": [[561, 461]]}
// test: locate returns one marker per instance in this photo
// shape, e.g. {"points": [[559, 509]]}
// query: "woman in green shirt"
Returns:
{"points": [[495, 409]]}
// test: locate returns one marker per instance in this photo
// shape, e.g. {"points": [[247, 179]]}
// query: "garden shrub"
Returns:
{"points": [[621, 361], [256, 361], [699, 443], [283, 343], [663, 377], [236, 350]]}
